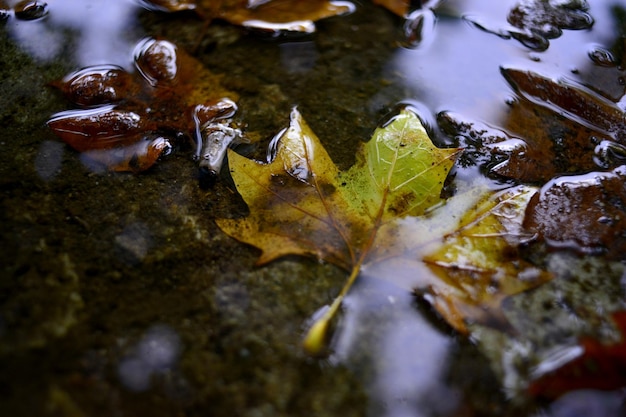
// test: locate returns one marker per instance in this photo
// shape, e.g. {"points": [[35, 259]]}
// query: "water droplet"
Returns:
{"points": [[419, 28], [97, 85], [156, 60], [602, 57]]}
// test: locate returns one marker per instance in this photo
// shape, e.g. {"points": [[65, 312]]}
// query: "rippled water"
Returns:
{"points": [[121, 297]]}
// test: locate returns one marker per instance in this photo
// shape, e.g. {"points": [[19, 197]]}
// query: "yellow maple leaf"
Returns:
{"points": [[381, 215]]}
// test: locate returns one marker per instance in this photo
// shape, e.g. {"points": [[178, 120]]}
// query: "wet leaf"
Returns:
{"points": [[479, 264], [301, 200], [127, 121], [385, 215], [595, 366], [586, 213], [301, 204], [567, 128], [573, 101], [556, 127], [270, 15]]}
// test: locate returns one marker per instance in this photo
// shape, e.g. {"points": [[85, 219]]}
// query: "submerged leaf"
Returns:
{"points": [[556, 127], [573, 101], [479, 264]]}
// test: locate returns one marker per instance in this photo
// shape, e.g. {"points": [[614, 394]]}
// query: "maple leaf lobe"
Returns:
{"points": [[301, 204]]}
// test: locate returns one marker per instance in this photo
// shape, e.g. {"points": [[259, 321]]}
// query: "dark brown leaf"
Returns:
{"points": [[556, 127], [573, 101]]}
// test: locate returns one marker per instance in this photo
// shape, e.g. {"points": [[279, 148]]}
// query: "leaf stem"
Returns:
{"points": [[315, 340]]}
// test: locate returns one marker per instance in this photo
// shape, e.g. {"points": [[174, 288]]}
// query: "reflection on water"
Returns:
{"points": [[459, 68], [409, 356], [104, 32], [298, 57], [134, 243], [585, 403], [155, 354], [49, 159]]}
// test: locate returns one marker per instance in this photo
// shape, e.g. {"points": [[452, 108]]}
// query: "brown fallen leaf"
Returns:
{"points": [[480, 264], [126, 121], [575, 102], [270, 15], [381, 215], [301, 204], [556, 127]]}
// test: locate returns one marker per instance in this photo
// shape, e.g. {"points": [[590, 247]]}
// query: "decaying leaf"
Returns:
{"points": [[588, 133], [270, 15], [586, 213], [573, 101], [127, 121], [557, 127], [479, 264], [597, 366], [301, 204]]}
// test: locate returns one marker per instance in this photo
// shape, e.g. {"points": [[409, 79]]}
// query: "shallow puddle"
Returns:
{"points": [[119, 294]]}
